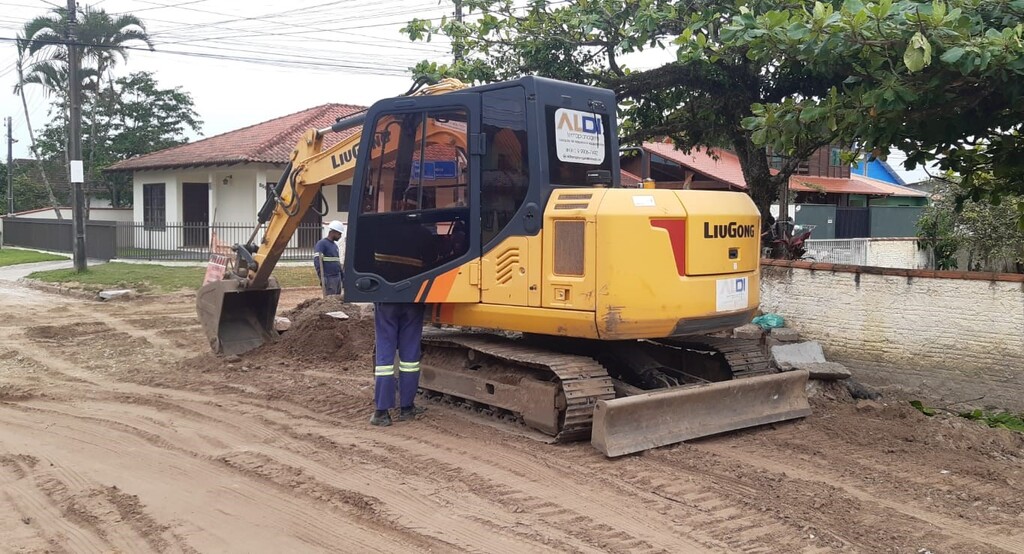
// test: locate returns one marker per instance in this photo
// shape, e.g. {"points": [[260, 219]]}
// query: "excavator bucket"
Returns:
{"points": [[235, 319], [668, 416]]}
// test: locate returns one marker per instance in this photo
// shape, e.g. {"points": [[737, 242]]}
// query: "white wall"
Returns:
{"points": [[95, 214], [902, 253], [903, 319]]}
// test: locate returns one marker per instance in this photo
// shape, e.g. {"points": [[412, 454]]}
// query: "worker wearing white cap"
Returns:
{"points": [[327, 259]]}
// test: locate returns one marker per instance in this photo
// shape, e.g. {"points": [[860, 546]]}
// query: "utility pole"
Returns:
{"points": [[457, 50], [76, 171], [10, 169]]}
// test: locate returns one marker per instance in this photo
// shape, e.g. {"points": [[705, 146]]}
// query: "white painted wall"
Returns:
{"points": [[903, 321], [95, 214], [901, 253], [236, 194]]}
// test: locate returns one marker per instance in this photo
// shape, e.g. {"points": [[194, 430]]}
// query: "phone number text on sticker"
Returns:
{"points": [[732, 294]]}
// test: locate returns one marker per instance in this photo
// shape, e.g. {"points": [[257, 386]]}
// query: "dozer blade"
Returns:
{"points": [[235, 319], [658, 418]]}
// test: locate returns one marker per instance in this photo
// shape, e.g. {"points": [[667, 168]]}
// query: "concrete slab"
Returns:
{"points": [[808, 356], [790, 355], [111, 294], [748, 331], [785, 334], [827, 371]]}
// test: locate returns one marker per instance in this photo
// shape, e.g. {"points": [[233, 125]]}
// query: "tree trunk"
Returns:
{"points": [[762, 186], [32, 141]]}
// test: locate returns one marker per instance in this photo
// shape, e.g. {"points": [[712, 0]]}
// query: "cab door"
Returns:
{"points": [[414, 218]]}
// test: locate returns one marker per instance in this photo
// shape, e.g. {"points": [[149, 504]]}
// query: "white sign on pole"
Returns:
{"points": [[77, 171]]}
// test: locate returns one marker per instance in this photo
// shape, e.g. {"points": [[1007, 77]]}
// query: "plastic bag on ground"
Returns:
{"points": [[769, 321]]}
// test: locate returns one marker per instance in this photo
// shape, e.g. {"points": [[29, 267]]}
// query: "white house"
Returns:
{"points": [[219, 183]]}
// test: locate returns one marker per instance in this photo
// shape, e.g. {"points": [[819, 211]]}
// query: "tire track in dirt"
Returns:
{"points": [[224, 497], [153, 438], [955, 531], [49, 520], [971, 486], [661, 506]]}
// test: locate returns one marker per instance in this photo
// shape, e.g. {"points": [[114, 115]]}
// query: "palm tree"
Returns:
{"points": [[103, 39], [44, 74]]}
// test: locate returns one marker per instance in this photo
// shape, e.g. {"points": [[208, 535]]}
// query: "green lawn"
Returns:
{"points": [[14, 256], [156, 279]]}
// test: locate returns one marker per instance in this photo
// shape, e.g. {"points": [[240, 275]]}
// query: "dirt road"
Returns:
{"points": [[118, 433]]}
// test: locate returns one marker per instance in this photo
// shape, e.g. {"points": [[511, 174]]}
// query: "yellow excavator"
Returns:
{"points": [[558, 298]]}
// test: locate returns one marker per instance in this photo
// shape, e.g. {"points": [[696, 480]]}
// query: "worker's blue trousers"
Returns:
{"points": [[397, 327]]}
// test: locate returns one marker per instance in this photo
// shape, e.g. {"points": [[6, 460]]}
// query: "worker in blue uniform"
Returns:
{"points": [[327, 259], [399, 326]]}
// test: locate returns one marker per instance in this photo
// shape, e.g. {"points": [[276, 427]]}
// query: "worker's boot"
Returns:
{"points": [[410, 413], [381, 418]]}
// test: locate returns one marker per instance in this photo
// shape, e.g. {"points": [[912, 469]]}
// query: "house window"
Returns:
{"points": [[834, 158], [154, 211], [344, 195]]}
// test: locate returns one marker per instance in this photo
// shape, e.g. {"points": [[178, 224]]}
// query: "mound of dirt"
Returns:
{"points": [[317, 339]]}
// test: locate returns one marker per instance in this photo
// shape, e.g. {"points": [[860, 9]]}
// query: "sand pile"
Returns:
{"points": [[317, 339]]}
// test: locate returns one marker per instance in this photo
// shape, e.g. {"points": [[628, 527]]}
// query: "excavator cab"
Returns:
{"points": [[415, 202], [481, 165]]}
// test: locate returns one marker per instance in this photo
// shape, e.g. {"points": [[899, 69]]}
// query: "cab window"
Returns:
{"points": [[414, 205]]}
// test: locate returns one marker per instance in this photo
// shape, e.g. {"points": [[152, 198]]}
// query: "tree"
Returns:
{"points": [[41, 72], [940, 80], [699, 99], [103, 40], [29, 191], [984, 232], [142, 118]]}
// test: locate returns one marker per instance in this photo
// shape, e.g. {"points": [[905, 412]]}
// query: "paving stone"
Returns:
{"points": [[785, 334], [111, 294], [748, 331], [826, 371]]}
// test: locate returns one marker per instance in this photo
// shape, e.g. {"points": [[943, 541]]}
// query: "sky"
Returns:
{"points": [[248, 61]]}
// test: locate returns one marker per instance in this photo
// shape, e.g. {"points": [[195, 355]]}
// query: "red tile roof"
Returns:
{"points": [[808, 183], [726, 168], [628, 179], [895, 190], [268, 142]]}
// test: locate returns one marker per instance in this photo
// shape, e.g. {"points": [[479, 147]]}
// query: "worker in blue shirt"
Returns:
{"points": [[327, 259]]}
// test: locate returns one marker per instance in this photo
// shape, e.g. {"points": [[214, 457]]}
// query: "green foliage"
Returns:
{"points": [[999, 420], [137, 117], [43, 62], [15, 256], [29, 190], [922, 408], [986, 231], [940, 80], [698, 98]]}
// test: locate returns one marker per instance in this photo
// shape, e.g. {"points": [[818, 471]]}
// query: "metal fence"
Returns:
{"points": [[838, 251], [195, 241]]}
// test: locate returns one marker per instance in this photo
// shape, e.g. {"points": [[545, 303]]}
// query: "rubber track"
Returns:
{"points": [[583, 380], [746, 358]]}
